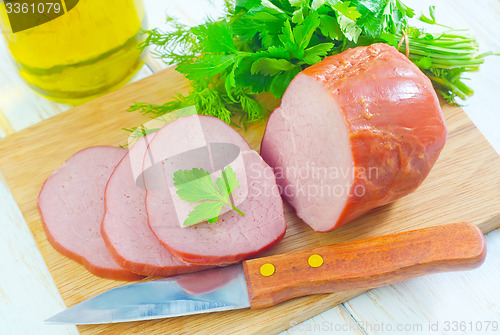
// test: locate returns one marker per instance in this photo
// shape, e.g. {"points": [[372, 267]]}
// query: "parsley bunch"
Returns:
{"points": [[261, 45]]}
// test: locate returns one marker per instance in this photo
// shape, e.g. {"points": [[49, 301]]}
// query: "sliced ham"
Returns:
{"points": [[125, 226], [356, 131], [233, 237], [71, 203]]}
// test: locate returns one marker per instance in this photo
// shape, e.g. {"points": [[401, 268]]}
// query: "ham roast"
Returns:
{"points": [[356, 131]]}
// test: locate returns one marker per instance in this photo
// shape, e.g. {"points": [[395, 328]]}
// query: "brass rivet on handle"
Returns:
{"points": [[315, 261], [267, 270]]}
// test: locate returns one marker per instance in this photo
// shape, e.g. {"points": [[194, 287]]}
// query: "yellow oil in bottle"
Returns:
{"points": [[88, 51]]}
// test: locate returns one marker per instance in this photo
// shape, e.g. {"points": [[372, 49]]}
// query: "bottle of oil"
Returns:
{"points": [[88, 49]]}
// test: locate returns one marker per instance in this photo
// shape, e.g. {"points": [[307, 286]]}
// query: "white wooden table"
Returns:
{"points": [[451, 303]]}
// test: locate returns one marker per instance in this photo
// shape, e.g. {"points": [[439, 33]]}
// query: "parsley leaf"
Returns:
{"points": [[330, 28], [344, 9], [316, 53], [304, 32], [316, 4], [206, 211], [196, 185], [281, 81], [349, 28], [227, 182], [298, 3], [372, 16], [271, 66], [346, 18]]}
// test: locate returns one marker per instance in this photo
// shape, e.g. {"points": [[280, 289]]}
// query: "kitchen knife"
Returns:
{"points": [[267, 281]]}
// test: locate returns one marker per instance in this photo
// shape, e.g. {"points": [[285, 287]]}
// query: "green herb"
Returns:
{"points": [[444, 58], [196, 185], [261, 45]]}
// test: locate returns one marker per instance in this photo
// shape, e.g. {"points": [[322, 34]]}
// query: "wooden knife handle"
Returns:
{"points": [[364, 264]]}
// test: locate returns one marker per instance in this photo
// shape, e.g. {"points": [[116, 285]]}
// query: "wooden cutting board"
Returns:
{"points": [[463, 186]]}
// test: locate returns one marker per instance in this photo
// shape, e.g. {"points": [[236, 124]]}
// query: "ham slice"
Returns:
{"points": [[233, 237], [125, 226], [71, 203], [356, 131]]}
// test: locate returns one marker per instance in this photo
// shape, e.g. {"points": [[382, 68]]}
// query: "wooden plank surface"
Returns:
{"points": [[17, 266], [460, 187]]}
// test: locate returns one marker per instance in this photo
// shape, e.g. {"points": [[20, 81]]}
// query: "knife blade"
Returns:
{"points": [[267, 281]]}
